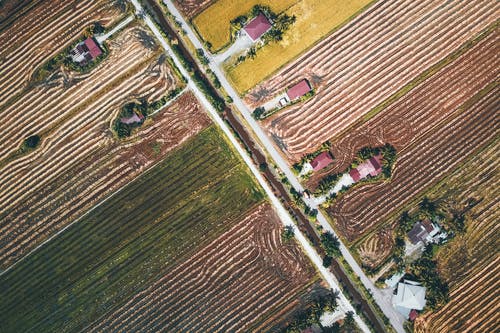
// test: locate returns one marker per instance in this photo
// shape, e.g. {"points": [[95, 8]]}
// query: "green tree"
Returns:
{"points": [[330, 244], [288, 233]]}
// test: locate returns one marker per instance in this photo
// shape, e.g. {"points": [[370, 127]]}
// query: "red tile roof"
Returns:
{"points": [[413, 315], [298, 90], [94, 49], [321, 161], [355, 175], [427, 225], [370, 167], [258, 26]]}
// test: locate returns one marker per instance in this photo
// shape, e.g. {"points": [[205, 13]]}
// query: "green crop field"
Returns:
{"points": [[118, 249]]}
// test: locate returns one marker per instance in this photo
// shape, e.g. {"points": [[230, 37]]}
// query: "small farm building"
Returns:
{"points": [[321, 161], [299, 90], [410, 296], [423, 231], [257, 27], [132, 119], [85, 51], [370, 167]]}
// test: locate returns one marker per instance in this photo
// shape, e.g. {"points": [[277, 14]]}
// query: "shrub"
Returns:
{"points": [[31, 141], [288, 233]]}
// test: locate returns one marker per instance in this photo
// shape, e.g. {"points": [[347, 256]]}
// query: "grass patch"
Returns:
{"points": [[315, 19], [125, 244], [214, 23]]}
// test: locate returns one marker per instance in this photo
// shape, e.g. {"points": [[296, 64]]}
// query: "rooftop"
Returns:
{"points": [[410, 295], [94, 49], [321, 161], [258, 26], [298, 90]]}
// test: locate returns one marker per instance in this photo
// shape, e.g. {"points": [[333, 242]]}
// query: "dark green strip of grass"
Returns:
{"points": [[125, 244]]}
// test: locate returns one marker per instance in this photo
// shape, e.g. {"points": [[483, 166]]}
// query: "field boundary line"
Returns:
{"points": [[462, 108], [87, 212], [420, 79]]}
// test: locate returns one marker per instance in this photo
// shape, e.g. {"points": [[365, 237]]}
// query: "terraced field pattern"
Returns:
{"points": [[146, 239]]}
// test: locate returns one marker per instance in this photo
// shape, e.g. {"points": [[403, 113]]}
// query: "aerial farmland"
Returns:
{"points": [[249, 166]]}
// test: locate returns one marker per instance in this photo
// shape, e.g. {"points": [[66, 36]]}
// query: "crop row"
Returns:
{"points": [[44, 32], [419, 166], [361, 65], [225, 287], [78, 162], [129, 239], [410, 122]]}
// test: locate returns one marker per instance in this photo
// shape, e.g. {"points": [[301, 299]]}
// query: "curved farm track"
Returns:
{"points": [[376, 248], [363, 63], [470, 262], [432, 133], [226, 286], [79, 162]]}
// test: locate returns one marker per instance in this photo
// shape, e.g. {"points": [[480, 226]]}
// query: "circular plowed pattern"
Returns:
{"points": [[224, 287]]}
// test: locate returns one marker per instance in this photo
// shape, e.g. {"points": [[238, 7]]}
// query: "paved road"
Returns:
{"points": [[242, 43], [344, 304], [382, 300], [121, 25]]}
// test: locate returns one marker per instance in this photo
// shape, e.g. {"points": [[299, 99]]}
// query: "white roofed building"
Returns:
{"points": [[410, 296]]}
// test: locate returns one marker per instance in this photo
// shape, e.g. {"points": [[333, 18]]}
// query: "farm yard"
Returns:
{"points": [[434, 128], [141, 233], [351, 78], [79, 161], [214, 23], [256, 274], [469, 263], [34, 36]]}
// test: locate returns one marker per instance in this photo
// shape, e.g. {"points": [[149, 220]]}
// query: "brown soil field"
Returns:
{"points": [[432, 135], [191, 8], [245, 280], [79, 162], [40, 33], [470, 262], [363, 63], [375, 249]]}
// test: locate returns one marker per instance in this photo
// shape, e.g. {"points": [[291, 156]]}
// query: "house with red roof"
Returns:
{"points": [[133, 119], [372, 167], [321, 161], [258, 26], [85, 51], [298, 90]]}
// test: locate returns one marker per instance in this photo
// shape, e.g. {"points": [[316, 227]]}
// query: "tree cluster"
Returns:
{"points": [[425, 270], [330, 244], [31, 142], [142, 108], [311, 316]]}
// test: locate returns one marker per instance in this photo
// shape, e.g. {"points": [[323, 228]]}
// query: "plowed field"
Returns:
{"points": [[40, 33], [79, 161], [191, 8], [470, 263], [363, 63], [244, 280], [432, 135], [138, 235]]}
